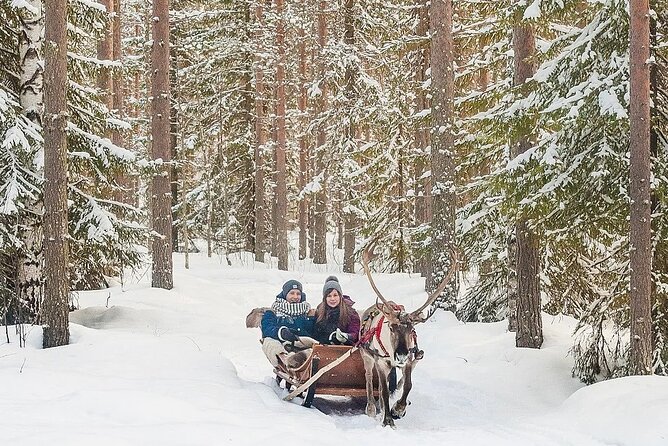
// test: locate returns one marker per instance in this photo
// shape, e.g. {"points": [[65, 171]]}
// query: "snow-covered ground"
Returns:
{"points": [[155, 367]]}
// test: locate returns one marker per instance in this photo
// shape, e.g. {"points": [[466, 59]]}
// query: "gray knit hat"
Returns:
{"points": [[331, 283]]}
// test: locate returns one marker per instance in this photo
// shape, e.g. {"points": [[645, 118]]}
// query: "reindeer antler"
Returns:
{"points": [[441, 286], [367, 254]]}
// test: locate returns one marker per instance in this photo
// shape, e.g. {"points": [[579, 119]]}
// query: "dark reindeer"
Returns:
{"points": [[388, 340]]}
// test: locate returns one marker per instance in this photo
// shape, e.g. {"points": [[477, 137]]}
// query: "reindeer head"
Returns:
{"points": [[400, 337]]}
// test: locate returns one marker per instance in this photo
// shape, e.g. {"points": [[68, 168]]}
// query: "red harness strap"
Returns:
{"points": [[375, 330]]}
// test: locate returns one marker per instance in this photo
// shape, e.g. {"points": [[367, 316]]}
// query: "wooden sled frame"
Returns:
{"points": [[344, 379]]}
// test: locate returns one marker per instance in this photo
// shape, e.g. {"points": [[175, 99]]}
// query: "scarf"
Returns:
{"points": [[283, 308]]}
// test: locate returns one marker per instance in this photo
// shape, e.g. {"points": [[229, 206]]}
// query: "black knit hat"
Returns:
{"points": [[292, 285], [331, 283]]}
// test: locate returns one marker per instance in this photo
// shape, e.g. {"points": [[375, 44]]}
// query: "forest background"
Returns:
{"points": [[498, 130]]}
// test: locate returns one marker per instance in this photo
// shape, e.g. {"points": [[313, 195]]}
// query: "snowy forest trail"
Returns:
{"points": [[179, 367]]}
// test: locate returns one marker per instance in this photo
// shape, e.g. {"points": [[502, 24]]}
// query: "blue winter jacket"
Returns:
{"points": [[301, 325]]}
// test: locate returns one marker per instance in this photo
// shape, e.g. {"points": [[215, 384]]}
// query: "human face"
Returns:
{"points": [[333, 299], [294, 296]]}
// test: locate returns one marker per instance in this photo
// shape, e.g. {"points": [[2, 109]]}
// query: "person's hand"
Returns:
{"points": [[341, 336], [285, 334]]}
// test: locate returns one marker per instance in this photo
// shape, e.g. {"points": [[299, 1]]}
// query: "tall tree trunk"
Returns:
{"points": [[529, 324], [640, 171], [209, 201], [320, 232], [137, 110], [511, 281], [29, 267], [247, 208], [274, 201], [442, 151], [56, 290], [302, 177], [160, 131], [337, 212], [422, 185], [105, 51], [260, 138], [483, 81], [175, 170], [311, 208], [126, 192], [281, 186], [349, 219], [401, 213], [184, 209]]}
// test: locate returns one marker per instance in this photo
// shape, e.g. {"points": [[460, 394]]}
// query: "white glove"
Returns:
{"points": [[341, 336]]}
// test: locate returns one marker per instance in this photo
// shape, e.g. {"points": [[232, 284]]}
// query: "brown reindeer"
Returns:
{"points": [[388, 340]]}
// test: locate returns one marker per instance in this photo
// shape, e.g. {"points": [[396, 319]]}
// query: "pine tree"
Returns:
{"points": [[260, 137], [442, 149], [162, 216], [281, 193], [527, 266], [320, 211], [56, 294], [640, 242]]}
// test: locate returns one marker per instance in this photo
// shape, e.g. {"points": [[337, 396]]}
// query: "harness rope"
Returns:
{"points": [[376, 329]]}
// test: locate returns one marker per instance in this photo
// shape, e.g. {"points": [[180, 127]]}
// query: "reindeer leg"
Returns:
{"points": [[399, 409], [383, 372], [368, 375]]}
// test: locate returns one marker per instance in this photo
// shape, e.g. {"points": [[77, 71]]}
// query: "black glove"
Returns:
{"points": [[284, 334]]}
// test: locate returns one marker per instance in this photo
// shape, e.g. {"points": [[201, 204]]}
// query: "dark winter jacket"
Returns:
{"points": [[323, 330], [294, 316]]}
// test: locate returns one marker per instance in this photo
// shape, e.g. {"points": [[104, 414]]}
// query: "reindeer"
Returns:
{"points": [[389, 340]]}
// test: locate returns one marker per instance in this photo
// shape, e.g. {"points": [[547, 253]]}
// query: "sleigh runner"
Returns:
{"points": [[343, 379]]}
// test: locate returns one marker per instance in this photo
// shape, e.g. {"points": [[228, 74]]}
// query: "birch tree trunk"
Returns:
{"points": [[30, 52], [29, 268], [529, 323], [160, 131], [281, 187], [56, 290], [320, 227], [640, 172], [442, 151]]}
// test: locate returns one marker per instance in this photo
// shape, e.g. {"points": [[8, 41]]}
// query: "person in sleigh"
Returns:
{"points": [[287, 327], [337, 322]]}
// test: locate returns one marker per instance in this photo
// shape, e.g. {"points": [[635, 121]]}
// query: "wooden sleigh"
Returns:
{"points": [[319, 375], [343, 379]]}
